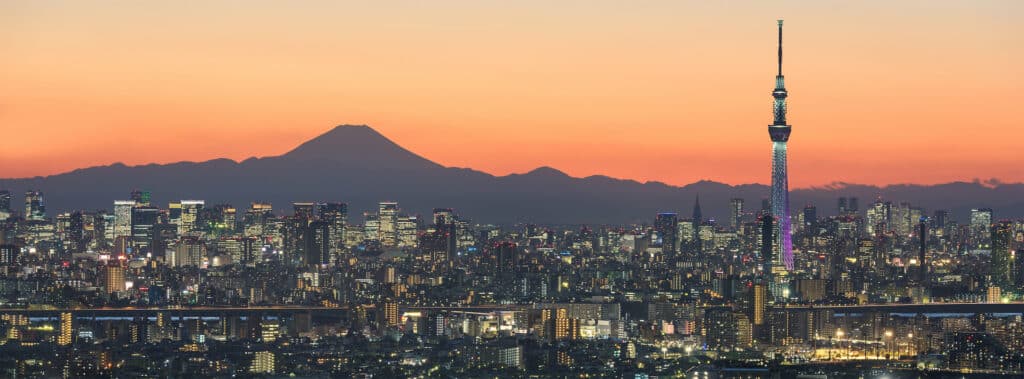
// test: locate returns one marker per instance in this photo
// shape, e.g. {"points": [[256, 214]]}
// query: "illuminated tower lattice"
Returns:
{"points": [[779, 133]]}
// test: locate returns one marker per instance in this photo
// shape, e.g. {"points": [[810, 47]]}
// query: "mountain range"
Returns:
{"points": [[358, 165]]}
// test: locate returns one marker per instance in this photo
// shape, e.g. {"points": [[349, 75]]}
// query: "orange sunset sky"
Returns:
{"points": [[675, 91]]}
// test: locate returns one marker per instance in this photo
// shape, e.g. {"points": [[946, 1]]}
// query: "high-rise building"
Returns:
{"points": [[698, 219], [779, 132], [387, 214], [1001, 266], [318, 243], [336, 216], [35, 208], [304, 210], [922, 240], [262, 362], [113, 278], [190, 251], [735, 213], [810, 217], [878, 218], [665, 227], [390, 313], [191, 216], [768, 230], [144, 219], [407, 226], [981, 228], [66, 329], [123, 218], [939, 219], [256, 218]]}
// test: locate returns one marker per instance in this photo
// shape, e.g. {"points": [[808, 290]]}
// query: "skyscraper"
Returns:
{"points": [[190, 216], [35, 208], [123, 218], [665, 226], [1001, 265], [735, 213], [779, 133], [388, 215]]}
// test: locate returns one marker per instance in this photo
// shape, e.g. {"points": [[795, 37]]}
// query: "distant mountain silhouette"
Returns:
{"points": [[357, 165]]}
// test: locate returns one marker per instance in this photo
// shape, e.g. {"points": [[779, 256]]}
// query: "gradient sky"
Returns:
{"points": [[880, 91]]}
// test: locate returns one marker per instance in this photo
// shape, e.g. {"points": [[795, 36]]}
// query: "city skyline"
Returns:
{"points": [[352, 255], [876, 94]]}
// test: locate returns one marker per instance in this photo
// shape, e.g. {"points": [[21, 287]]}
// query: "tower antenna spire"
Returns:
{"points": [[780, 47]]}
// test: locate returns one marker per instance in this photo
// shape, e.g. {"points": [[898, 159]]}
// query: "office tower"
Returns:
{"points": [[843, 206], [141, 197], [336, 216], [735, 213], [35, 208], [318, 243], [665, 227], [443, 216], [256, 218], [779, 132], [191, 219], [123, 218], [144, 218], [113, 278], [407, 227], [810, 217], [877, 218], [227, 217], [387, 214], [506, 257], [304, 210], [902, 224], [939, 222], [174, 213], [77, 236], [66, 329], [1001, 266], [854, 206], [981, 223]]}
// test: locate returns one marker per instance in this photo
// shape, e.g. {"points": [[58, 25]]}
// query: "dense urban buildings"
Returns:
{"points": [[186, 289]]}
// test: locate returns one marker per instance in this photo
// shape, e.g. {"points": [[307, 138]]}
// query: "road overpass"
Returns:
{"points": [[966, 308]]}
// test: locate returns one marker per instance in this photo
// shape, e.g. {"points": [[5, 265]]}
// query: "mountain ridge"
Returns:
{"points": [[357, 164]]}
